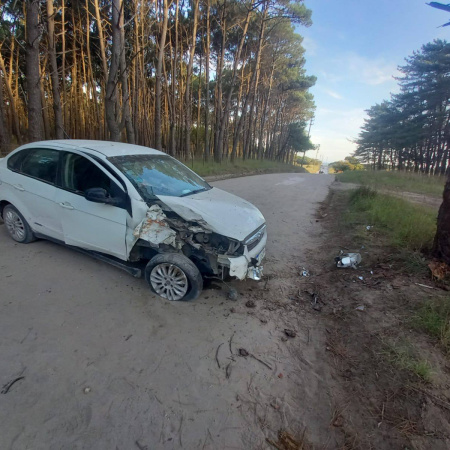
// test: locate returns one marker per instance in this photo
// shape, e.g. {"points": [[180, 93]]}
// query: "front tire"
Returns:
{"points": [[174, 277], [17, 226]]}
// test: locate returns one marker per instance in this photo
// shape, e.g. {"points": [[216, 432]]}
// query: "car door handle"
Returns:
{"points": [[19, 187], [66, 205]]}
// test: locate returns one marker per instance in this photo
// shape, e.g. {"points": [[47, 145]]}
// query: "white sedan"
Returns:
{"points": [[134, 207]]}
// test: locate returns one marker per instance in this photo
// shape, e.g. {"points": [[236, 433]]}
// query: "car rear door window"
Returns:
{"points": [[79, 174], [41, 164]]}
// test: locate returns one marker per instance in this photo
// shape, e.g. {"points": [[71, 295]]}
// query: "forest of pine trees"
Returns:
{"points": [[412, 130], [198, 78]]}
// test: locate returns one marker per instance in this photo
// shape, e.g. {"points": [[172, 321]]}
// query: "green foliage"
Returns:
{"points": [[403, 355], [350, 163], [407, 226], [434, 318], [409, 131], [394, 180], [307, 161], [240, 166]]}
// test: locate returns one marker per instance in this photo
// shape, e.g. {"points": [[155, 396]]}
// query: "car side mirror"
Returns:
{"points": [[99, 195]]}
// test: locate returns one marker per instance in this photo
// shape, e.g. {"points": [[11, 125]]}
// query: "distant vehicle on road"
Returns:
{"points": [[134, 207]]}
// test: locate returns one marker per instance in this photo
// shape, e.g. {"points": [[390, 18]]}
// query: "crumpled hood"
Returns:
{"points": [[225, 213]]}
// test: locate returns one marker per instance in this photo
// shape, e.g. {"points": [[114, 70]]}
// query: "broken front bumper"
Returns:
{"points": [[249, 265]]}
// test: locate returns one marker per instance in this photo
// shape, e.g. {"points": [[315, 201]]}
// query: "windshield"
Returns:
{"points": [[159, 175]]}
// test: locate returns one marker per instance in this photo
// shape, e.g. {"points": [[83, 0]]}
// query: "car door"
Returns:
{"points": [[89, 225], [32, 189]]}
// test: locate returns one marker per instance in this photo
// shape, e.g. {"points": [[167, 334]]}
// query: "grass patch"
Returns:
{"points": [[400, 181], [408, 226], [211, 168], [434, 319], [402, 355]]}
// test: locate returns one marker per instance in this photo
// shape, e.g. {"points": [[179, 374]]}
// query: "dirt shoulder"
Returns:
{"points": [[391, 387]]}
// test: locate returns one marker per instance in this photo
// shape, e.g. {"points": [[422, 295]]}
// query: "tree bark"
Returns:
{"points": [[111, 101], [441, 247], [187, 93], [158, 85], [33, 37], [5, 139], [59, 126]]}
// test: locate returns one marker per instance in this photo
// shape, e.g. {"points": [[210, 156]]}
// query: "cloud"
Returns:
{"points": [[333, 94], [310, 45], [360, 69]]}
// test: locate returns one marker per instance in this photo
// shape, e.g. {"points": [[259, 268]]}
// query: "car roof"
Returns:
{"points": [[106, 148]]}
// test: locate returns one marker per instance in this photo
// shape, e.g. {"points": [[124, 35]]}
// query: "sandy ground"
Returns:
{"points": [[107, 365]]}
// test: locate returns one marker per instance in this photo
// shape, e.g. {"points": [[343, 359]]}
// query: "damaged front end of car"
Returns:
{"points": [[165, 231]]}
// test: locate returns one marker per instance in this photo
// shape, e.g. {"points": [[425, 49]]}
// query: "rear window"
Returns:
{"points": [[41, 164], [15, 160]]}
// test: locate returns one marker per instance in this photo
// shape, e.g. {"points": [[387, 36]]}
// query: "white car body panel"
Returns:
{"points": [[68, 217], [35, 200], [225, 213]]}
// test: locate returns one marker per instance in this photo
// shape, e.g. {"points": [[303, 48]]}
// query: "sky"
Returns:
{"points": [[354, 48]]}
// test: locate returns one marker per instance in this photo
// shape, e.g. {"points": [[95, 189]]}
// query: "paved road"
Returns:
{"points": [[107, 365]]}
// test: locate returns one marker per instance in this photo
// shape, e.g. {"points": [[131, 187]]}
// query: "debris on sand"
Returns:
{"points": [[86, 390], [345, 260], [10, 384], [360, 308], [305, 273], [287, 442], [243, 352], [290, 333], [250, 304], [232, 294]]}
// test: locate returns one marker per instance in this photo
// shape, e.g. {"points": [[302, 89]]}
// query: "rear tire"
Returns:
{"points": [[17, 226], [173, 276]]}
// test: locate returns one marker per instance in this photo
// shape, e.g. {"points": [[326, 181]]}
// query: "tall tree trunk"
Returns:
{"points": [[12, 102], [111, 100], [158, 85], [237, 57], [33, 37], [59, 126], [441, 247], [5, 139], [187, 93], [126, 112], [207, 47]]}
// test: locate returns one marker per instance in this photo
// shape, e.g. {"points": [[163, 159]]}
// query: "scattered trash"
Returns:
{"points": [[371, 272], [86, 390], [361, 278], [9, 385], [250, 304], [305, 273], [232, 294], [348, 260], [360, 308], [315, 301], [243, 352], [369, 227], [290, 333], [286, 441], [280, 375], [424, 285], [275, 406]]}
